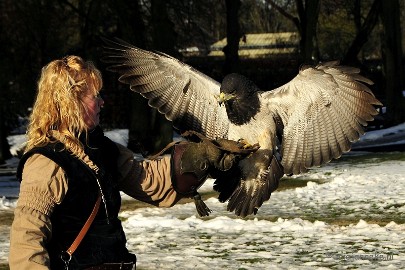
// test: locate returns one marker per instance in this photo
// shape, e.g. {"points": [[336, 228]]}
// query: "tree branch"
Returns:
{"points": [[364, 32], [282, 11]]}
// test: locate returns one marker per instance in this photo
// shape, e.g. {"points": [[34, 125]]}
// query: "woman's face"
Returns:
{"points": [[93, 103]]}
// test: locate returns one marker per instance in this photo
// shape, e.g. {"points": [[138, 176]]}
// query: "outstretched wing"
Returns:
{"points": [[319, 114], [323, 110], [183, 94]]}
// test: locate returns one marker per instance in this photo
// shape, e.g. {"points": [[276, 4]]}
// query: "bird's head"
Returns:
{"points": [[240, 97]]}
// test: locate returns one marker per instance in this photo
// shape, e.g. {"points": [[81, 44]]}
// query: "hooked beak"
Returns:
{"points": [[223, 97]]}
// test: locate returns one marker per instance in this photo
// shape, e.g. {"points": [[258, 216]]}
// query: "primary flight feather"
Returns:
{"points": [[307, 122]]}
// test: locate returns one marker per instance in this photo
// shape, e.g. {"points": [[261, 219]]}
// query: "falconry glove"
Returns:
{"points": [[195, 160]]}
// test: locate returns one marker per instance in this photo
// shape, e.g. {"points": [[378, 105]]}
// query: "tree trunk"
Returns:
{"points": [[132, 29], [4, 146], [149, 131], [308, 15], [363, 32], [164, 40], [392, 61], [232, 35], [306, 24]]}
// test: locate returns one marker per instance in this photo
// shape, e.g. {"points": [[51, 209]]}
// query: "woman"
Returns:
{"points": [[69, 165]]}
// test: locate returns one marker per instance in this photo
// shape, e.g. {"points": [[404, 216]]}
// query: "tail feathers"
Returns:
{"points": [[250, 194]]}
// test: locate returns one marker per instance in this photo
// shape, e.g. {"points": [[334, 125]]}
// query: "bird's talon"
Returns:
{"points": [[244, 144]]}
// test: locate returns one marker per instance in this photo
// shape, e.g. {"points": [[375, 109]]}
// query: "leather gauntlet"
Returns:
{"points": [[186, 181], [193, 162]]}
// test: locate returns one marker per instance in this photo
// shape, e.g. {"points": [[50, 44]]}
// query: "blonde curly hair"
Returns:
{"points": [[58, 111]]}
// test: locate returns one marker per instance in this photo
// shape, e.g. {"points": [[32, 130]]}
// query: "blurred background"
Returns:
{"points": [[266, 40]]}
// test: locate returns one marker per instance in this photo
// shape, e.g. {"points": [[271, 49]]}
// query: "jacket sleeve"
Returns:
{"points": [[147, 180], [43, 186]]}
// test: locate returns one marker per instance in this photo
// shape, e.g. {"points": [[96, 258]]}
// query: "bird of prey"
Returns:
{"points": [[304, 123]]}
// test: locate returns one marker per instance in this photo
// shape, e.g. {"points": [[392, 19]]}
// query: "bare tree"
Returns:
{"points": [[164, 39], [233, 36], [4, 146], [306, 22], [363, 29], [393, 62]]}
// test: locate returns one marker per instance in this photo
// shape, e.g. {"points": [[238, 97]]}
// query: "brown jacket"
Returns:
{"points": [[44, 185]]}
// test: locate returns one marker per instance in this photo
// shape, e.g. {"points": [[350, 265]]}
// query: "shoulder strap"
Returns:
{"points": [[61, 157], [85, 228], [67, 255]]}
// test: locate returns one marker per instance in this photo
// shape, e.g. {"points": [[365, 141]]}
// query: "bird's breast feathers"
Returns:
{"points": [[259, 129]]}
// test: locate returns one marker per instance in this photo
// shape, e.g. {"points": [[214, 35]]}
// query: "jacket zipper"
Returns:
{"points": [[101, 190]]}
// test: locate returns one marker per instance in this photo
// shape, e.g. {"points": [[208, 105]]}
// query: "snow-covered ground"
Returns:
{"points": [[175, 238], [327, 224]]}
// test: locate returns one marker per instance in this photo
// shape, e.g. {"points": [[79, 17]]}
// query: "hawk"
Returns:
{"points": [[306, 122]]}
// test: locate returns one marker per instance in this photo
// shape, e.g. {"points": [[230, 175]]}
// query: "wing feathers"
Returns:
{"points": [[140, 79], [184, 95], [319, 113], [324, 110]]}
